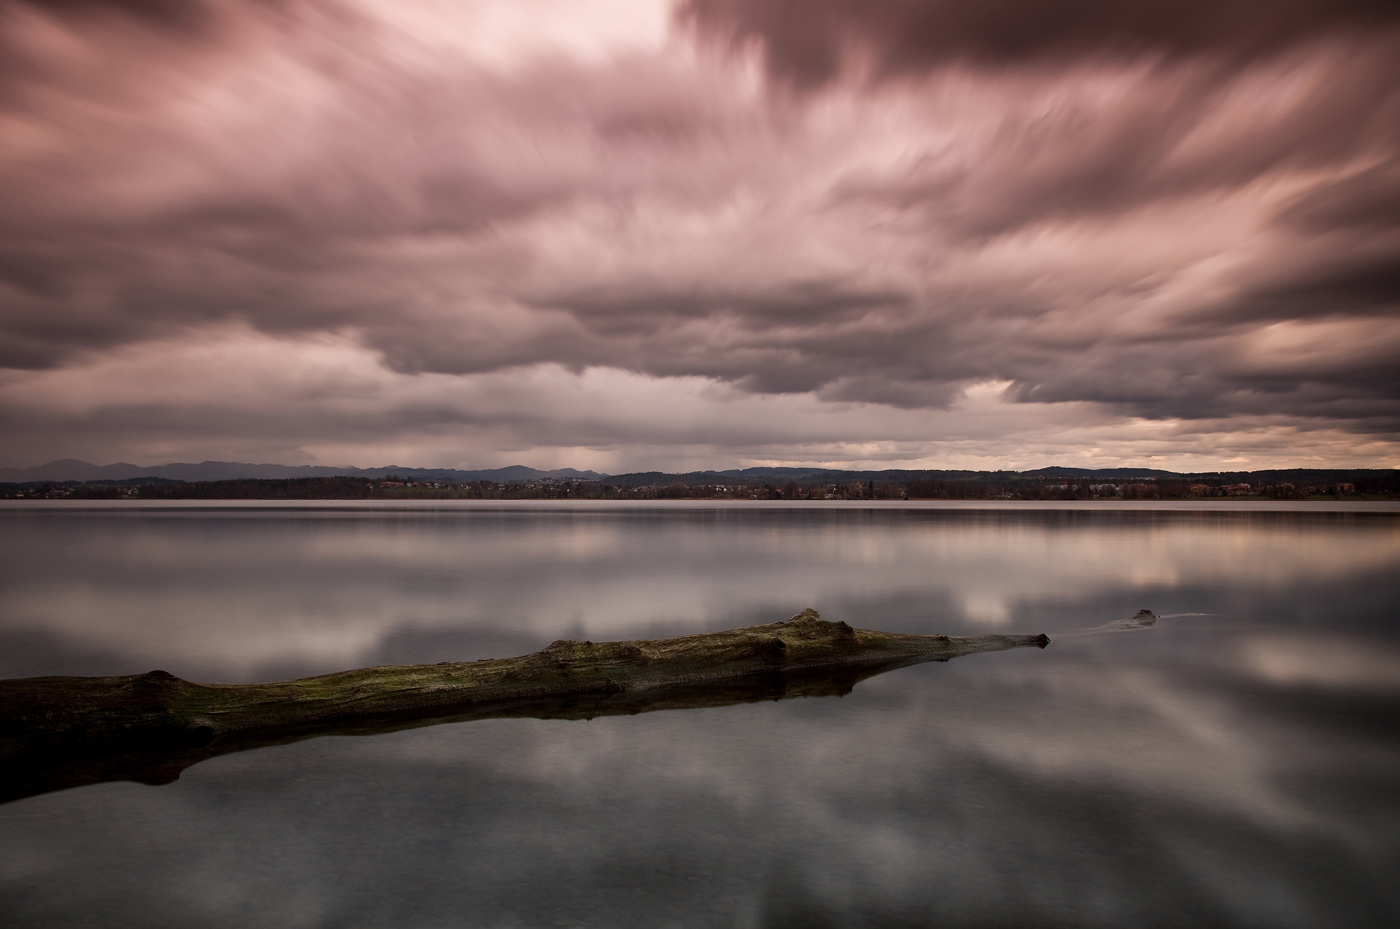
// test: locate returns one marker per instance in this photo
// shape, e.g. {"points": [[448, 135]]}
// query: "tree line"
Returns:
{"points": [[1284, 485]]}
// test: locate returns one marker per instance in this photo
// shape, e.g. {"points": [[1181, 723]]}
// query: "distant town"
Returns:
{"points": [[749, 484]]}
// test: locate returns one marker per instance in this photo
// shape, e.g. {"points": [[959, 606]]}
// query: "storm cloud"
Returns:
{"points": [[626, 235], [810, 42]]}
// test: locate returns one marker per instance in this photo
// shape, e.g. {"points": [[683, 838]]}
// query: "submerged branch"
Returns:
{"points": [[59, 732]]}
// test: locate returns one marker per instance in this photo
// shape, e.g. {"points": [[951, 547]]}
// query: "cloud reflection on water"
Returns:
{"points": [[1064, 787], [239, 596]]}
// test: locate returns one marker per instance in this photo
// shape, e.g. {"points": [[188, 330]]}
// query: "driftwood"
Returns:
{"points": [[59, 732]]}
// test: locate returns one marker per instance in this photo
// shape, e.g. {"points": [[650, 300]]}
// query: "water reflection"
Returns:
{"points": [[240, 596], [1230, 769]]}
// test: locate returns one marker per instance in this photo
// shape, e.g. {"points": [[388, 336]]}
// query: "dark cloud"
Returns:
{"points": [[1346, 288], [1368, 200], [1162, 141], [1181, 134], [1359, 397], [173, 16], [808, 43], [106, 46]]}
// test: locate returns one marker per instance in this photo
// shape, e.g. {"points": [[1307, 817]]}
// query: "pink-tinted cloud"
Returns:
{"points": [[1100, 208]]}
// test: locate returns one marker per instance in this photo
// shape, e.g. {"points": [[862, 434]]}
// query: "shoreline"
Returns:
{"points": [[1213, 505]]}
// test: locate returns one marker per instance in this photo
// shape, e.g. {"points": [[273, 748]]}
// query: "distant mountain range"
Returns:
{"points": [[70, 469]]}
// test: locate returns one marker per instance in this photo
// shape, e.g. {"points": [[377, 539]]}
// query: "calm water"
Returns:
{"points": [[1236, 765]]}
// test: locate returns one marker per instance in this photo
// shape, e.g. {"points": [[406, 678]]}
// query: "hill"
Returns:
{"points": [[71, 469]]}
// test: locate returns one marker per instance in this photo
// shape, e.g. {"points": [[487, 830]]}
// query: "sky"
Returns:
{"points": [[634, 234]]}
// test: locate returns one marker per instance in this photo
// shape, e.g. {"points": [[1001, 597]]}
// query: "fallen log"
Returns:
{"points": [[58, 732]]}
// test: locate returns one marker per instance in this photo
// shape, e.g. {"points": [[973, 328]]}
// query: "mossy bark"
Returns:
{"points": [[62, 731]]}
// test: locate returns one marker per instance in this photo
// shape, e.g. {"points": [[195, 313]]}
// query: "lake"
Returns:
{"points": [[1234, 764]]}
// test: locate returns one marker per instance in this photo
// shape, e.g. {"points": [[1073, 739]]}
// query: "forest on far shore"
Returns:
{"points": [[1299, 484]]}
